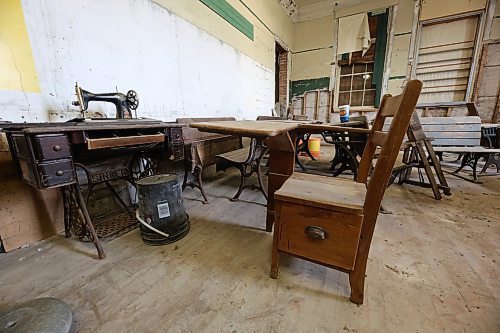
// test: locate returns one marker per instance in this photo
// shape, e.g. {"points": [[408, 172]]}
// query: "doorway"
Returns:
{"points": [[281, 81]]}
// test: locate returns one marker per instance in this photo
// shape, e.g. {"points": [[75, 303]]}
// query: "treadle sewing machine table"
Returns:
{"points": [[47, 155]]}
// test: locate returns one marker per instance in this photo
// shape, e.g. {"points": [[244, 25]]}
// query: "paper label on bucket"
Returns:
{"points": [[163, 210]]}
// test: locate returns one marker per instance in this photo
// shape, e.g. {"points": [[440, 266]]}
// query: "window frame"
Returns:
{"points": [[475, 55]]}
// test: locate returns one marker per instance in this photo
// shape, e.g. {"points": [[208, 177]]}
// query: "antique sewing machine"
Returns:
{"points": [[124, 103], [85, 156]]}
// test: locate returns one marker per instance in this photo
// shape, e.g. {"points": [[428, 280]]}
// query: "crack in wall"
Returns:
{"points": [[19, 75]]}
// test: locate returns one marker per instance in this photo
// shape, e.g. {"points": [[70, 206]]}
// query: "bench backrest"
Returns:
{"points": [[203, 147], [190, 134], [453, 131]]}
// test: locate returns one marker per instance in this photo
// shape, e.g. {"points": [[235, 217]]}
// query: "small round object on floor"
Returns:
{"points": [[41, 315]]}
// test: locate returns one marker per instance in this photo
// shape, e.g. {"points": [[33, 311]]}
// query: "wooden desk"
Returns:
{"points": [[280, 138]]}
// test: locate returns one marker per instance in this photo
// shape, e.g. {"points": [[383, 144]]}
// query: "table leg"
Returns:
{"points": [[88, 221], [281, 166]]}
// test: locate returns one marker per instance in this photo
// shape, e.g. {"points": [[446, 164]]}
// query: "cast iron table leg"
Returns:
{"points": [[88, 221]]}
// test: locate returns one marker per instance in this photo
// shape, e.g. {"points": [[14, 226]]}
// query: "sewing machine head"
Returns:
{"points": [[124, 103]]}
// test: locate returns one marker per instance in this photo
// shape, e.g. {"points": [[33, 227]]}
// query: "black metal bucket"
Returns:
{"points": [[161, 207]]}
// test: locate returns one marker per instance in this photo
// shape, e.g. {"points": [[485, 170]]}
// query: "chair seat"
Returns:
{"points": [[236, 156], [323, 192]]}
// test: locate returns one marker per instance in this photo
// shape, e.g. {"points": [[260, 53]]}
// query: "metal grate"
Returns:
{"points": [[114, 226]]}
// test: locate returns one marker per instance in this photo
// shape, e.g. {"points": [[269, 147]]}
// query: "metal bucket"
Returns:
{"points": [[161, 210]]}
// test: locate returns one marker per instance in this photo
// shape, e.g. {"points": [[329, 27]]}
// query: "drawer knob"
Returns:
{"points": [[316, 233], [59, 173], [57, 148]]}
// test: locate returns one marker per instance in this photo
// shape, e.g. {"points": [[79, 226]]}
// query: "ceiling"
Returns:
{"points": [[336, 3], [303, 10]]}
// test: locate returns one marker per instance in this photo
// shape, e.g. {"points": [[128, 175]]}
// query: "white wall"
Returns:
{"points": [[177, 69]]}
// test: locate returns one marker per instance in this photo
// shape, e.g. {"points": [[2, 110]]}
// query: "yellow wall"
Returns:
{"points": [[495, 28], [268, 11], [17, 68], [312, 53], [439, 8]]}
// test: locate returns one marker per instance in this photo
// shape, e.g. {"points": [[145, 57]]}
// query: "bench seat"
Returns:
{"points": [[478, 149], [235, 156]]}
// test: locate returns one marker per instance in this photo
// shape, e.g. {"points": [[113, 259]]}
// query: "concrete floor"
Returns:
{"points": [[433, 267]]}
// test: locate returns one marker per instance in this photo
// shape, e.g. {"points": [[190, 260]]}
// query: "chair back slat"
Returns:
{"points": [[391, 106], [379, 138], [401, 108]]}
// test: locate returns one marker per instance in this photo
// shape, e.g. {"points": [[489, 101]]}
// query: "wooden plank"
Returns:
{"points": [[379, 138], [456, 142], [453, 135], [460, 149], [250, 128], [237, 156], [452, 128], [124, 141], [197, 120], [450, 120], [318, 128], [323, 192]]}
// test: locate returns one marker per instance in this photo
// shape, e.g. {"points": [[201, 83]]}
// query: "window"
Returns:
{"points": [[444, 59], [359, 76], [355, 86]]}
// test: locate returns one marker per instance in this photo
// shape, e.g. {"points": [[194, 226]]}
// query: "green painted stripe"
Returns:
{"points": [[300, 87], [231, 15], [397, 77]]}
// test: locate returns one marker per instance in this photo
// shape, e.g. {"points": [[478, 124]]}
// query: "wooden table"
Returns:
{"points": [[280, 138]]}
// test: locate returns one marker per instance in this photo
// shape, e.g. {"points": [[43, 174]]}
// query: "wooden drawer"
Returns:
{"points": [[176, 136], [20, 145], [341, 230], [51, 147], [56, 173]]}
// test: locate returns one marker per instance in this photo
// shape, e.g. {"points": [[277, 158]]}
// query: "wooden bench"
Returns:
{"points": [[460, 135], [202, 148]]}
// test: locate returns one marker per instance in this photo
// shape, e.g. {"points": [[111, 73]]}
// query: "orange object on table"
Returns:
{"points": [[314, 145]]}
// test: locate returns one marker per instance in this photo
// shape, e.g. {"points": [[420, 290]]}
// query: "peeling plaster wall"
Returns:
{"points": [[177, 69]]}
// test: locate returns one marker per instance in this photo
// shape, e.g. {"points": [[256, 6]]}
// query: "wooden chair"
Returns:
{"points": [[331, 221]]}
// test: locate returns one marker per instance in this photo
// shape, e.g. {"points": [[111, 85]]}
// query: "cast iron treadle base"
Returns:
{"points": [[110, 227]]}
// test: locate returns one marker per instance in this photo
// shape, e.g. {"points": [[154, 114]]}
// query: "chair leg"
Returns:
{"points": [[275, 262], [437, 167], [428, 171], [275, 254], [357, 283], [357, 275]]}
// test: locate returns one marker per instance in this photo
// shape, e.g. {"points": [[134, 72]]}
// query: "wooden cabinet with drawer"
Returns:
{"points": [[44, 160]]}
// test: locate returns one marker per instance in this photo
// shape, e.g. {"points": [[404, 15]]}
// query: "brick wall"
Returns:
{"points": [[283, 80]]}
